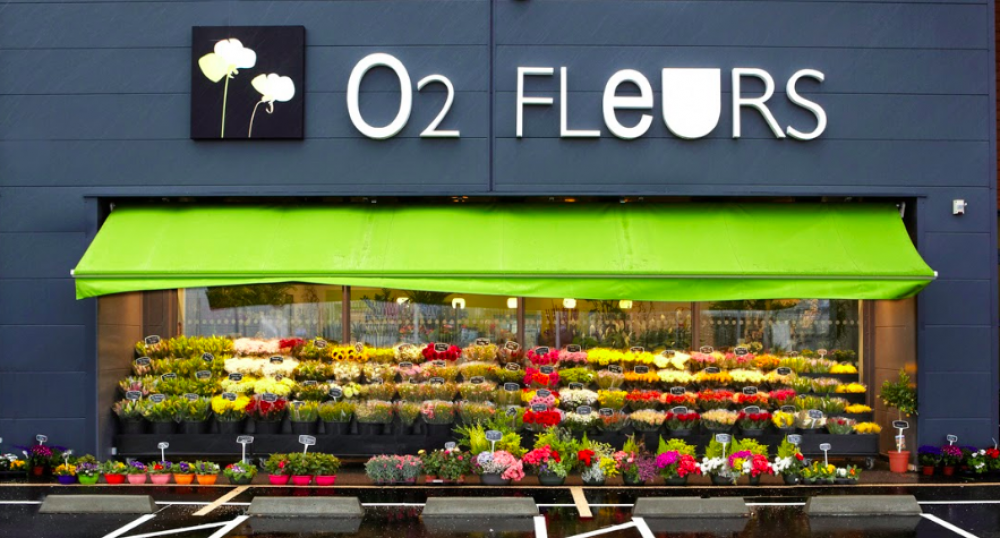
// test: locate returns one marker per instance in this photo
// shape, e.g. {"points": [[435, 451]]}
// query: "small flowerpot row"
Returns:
{"points": [[300, 469]]}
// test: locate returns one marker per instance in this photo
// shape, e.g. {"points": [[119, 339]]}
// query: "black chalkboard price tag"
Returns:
{"points": [[749, 391], [133, 395], [336, 393], [576, 386], [405, 365], [309, 383], [477, 380], [584, 410], [203, 374], [538, 408], [795, 439], [438, 363], [752, 410], [712, 370], [641, 369], [157, 398], [637, 349], [441, 348], [277, 360], [207, 357], [319, 343], [606, 412], [229, 396], [741, 351], [814, 414], [573, 348], [788, 409], [511, 411], [190, 396], [546, 370], [679, 410], [542, 350], [152, 340], [168, 377], [511, 387], [678, 391], [269, 397], [437, 381], [513, 366], [544, 393], [236, 377], [511, 345], [707, 349], [143, 361], [784, 370], [900, 424], [668, 353], [615, 369], [482, 341]]}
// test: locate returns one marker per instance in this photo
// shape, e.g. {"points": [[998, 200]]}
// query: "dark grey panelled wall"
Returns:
{"points": [[94, 102]]}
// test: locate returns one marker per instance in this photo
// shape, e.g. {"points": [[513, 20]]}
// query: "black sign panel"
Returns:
{"points": [[236, 377], [441, 348], [544, 393], [615, 369], [203, 374], [784, 370], [157, 398], [542, 351], [576, 386], [606, 412], [482, 341], [207, 357], [477, 380], [513, 366], [712, 370], [277, 360], [437, 381], [510, 345], [749, 391], [143, 361], [269, 397], [678, 391], [574, 348], [641, 369], [546, 370], [167, 377], [511, 387], [152, 340], [230, 396]]}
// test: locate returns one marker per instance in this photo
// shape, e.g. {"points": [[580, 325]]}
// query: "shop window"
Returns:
{"points": [[384, 317], [263, 311], [619, 324]]}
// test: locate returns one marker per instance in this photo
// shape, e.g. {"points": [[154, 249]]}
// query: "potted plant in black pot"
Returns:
{"points": [[130, 416], [304, 417], [161, 412], [336, 417], [230, 411], [193, 414]]}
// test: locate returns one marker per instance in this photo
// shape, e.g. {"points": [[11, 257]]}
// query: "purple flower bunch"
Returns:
{"points": [[184, 468], [645, 468], [951, 455], [88, 469], [136, 467]]}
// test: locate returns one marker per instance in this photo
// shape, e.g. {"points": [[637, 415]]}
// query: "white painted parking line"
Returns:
{"points": [[392, 504], [605, 530], [949, 526], [644, 530], [180, 530], [960, 502], [130, 526], [541, 529], [229, 527], [20, 502]]}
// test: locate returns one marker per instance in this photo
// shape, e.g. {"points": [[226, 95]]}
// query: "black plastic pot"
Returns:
{"points": [[267, 427], [439, 431], [194, 427], [305, 428], [133, 427], [683, 432], [163, 428], [752, 432], [231, 427], [337, 428], [628, 482], [369, 428], [548, 479]]}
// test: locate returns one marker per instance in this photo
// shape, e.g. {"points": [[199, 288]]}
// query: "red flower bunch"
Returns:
{"points": [[431, 354], [759, 399], [799, 456], [535, 378], [714, 399], [782, 397], [681, 421], [258, 409], [585, 456], [753, 421], [543, 359], [544, 419], [992, 453], [759, 465], [687, 465], [643, 399], [541, 456], [670, 400], [290, 343]]}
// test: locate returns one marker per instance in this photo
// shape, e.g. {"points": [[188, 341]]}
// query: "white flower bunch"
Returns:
{"points": [[677, 362], [675, 377], [284, 368], [577, 397], [781, 465], [712, 465]]}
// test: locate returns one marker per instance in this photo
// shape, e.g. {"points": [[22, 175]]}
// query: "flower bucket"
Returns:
{"points": [[719, 480], [676, 481], [549, 479], [194, 427], [133, 427], [791, 479], [337, 428], [305, 428], [231, 427], [680, 432], [301, 479], [326, 480], [927, 470], [136, 479], [752, 432], [160, 479], [493, 479], [207, 479], [369, 428], [629, 482], [163, 428], [267, 427], [593, 482], [240, 481], [899, 461], [947, 470], [183, 479], [278, 479], [114, 478], [88, 480], [66, 480]]}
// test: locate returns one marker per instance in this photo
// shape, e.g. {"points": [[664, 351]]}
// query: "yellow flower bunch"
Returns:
{"points": [[348, 353], [720, 379], [843, 369], [857, 408], [867, 428], [608, 466], [851, 388], [408, 353], [269, 384], [677, 362], [603, 356], [766, 361], [675, 377], [650, 378], [615, 399], [65, 470], [747, 377], [639, 358], [17, 465], [782, 419], [222, 406], [242, 386], [379, 354]]}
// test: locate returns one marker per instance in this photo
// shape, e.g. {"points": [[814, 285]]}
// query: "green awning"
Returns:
{"points": [[663, 252]]}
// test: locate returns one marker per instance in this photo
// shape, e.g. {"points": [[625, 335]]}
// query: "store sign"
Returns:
{"points": [[247, 82]]}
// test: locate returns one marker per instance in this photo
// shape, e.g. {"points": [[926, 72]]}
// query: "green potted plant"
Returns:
{"points": [[336, 417], [789, 462], [206, 472], [326, 466], [162, 415], [114, 472], [374, 417], [304, 417], [902, 396], [192, 415], [302, 468], [278, 472], [240, 473]]}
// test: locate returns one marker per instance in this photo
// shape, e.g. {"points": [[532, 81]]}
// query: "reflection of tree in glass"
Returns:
{"points": [[254, 295]]}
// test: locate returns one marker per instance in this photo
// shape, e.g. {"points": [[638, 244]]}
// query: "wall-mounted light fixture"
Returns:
{"points": [[458, 303], [625, 304], [569, 303], [512, 302]]}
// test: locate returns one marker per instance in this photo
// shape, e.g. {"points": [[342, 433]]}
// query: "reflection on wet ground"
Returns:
{"points": [[396, 514]]}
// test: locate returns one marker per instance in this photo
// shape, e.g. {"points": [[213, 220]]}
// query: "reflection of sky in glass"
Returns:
{"points": [[787, 325]]}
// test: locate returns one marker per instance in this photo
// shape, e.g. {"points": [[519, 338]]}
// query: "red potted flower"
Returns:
{"points": [[277, 469]]}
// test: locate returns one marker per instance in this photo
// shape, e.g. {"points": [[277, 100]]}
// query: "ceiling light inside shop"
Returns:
{"points": [[512, 302], [402, 300], [458, 303], [625, 304], [569, 303]]}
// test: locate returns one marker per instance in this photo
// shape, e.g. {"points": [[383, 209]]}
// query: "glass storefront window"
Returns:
{"points": [[784, 325], [263, 311], [619, 324], [384, 317]]}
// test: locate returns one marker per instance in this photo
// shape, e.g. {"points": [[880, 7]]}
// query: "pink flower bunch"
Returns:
{"points": [[548, 401], [576, 357]]}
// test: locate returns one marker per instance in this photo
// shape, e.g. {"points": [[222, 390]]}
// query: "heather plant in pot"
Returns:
{"points": [[902, 396]]}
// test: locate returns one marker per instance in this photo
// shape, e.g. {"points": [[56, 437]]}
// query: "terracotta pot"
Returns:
{"points": [[136, 479], [948, 470], [160, 479], [207, 479], [114, 478], [37, 470], [278, 479], [927, 470], [325, 480], [301, 479], [899, 461], [183, 479]]}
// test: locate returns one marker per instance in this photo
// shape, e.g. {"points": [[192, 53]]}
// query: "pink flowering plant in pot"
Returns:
{"points": [[498, 468]]}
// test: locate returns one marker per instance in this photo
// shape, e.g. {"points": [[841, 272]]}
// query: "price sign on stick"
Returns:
{"points": [[900, 438], [143, 361], [66, 456], [306, 441], [207, 357], [825, 447], [41, 439], [511, 411], [678, 391], [679, 410], [795, 439], [493, 436], [576, 386], [163, 450], [724, 439], [952, 439], [482, 341], [319, 343], [450, 445], [244, 440]]}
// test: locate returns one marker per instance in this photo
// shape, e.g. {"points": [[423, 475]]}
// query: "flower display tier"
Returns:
{"points": [[201, 392]]}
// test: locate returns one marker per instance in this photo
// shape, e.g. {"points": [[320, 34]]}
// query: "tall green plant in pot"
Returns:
{"points": [[902, 396]]}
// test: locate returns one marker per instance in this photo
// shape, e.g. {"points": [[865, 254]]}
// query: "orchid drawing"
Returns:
{"points": [[272, 87], [225, 62]]}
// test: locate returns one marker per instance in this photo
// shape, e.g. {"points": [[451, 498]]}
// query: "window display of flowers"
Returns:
{"points": [[264, 411], [688, 399], [613, 399], [374, 412], [840, 425], [475, 369], [282, 387], [719, 420], [438, 412], [230, 411], [781, 397], [576, 422], [545, 461], [240, 472], [642, 399], [681, 422], [608, 380], [501, 463], [783, 420], [451, 353], [852, 388], [573, 398], [448, 373], [537, 421], [867, 428], [824, 385], [572, 358], [543, 356], [408, 353], [710, 399], [789, 460], [614, 422], [603, 356], [576, 375], [476, 392], [675, 378], [647, 420]]}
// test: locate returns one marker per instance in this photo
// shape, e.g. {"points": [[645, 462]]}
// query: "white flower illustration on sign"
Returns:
{"points": [[272, 87], [224, 63]]}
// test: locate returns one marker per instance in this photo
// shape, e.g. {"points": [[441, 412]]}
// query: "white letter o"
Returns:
{"points": [[379, 59]]}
